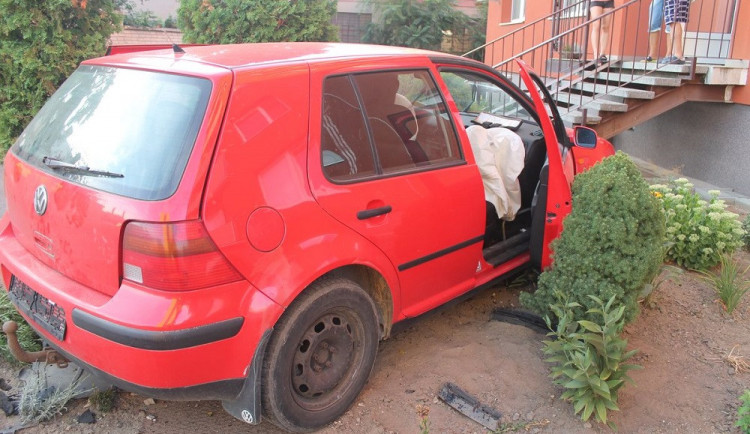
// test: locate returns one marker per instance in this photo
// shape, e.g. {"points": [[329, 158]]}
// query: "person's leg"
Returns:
{"points": [[678, 37], [669, 18], [656, 16], [596, 12], [606, 27]]}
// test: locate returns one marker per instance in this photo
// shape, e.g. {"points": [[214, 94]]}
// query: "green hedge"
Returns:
{"points": [[611, 244], [41, 43]]}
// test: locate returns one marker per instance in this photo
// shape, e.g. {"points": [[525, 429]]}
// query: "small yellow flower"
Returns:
{"points": [[657, 194]]}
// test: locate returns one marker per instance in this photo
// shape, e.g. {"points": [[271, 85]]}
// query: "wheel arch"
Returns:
{"points": [[374, 284]]}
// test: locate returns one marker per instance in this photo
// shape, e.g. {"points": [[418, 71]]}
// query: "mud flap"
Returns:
{"points": [[246, 406]]}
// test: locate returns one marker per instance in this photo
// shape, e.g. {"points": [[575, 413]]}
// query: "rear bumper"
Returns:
{"points": [[173, 345]]}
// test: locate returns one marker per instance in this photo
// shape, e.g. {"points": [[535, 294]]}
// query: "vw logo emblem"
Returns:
{"points": [[40, 200]]}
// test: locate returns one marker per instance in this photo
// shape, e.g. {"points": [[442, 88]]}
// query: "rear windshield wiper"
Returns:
{"points": [[54, 163]]}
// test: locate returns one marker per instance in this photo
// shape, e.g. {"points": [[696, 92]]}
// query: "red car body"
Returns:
{"points": [[176, 296]]}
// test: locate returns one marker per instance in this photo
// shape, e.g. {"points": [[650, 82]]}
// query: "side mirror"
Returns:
{"points": [[585, 137]]}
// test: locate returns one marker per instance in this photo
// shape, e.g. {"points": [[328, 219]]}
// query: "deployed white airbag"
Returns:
{"points": [[499, 153]]}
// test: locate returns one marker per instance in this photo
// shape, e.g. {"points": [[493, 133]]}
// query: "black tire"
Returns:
{"points": [[320, 355]]}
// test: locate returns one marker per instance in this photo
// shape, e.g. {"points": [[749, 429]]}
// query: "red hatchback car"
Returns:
{"points": [[246, 222]]}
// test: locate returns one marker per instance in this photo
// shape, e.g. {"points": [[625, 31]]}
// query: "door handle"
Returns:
{"points": [[370, 213]]}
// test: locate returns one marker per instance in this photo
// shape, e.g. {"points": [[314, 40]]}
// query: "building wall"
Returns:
{"points": [[141, 36], [706, 141]]}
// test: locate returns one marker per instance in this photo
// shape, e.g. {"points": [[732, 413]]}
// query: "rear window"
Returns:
{"points": [[133, 129]]}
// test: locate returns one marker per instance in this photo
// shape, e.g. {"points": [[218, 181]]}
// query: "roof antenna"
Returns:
{"points": [[176, 48]]}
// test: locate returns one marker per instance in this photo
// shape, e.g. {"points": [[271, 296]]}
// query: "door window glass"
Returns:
{"points": [[346, 150], [475, 94], [407, 125]]}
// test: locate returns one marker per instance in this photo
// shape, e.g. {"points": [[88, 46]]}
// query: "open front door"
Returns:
{"points": [[558, 176]]}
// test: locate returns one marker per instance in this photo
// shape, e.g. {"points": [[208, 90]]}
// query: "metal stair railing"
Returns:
{"points": [[577, 81]]}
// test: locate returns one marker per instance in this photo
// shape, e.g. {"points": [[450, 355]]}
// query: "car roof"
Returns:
{"points": [[242, 55]]}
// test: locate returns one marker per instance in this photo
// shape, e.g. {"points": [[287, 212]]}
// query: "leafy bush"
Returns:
{"points": [[41, 43], [730, 284], [26, 336], [589, 356], [611, 244], [141, 19], [418, 24], [743, 413], [746, 228], [699, 232], [235, 21]]}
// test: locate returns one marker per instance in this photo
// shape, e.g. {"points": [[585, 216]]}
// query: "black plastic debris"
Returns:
{"points": [[87, 416], [521, 317], [469, 406], [8, 404]]}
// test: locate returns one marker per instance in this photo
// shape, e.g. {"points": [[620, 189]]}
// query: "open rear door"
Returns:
{"points": [[558, 194]]}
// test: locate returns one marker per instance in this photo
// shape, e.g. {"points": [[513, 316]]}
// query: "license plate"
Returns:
{"points": [[42, 310]]}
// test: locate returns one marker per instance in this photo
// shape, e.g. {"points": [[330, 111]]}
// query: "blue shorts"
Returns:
{"points": [[655, 15]]}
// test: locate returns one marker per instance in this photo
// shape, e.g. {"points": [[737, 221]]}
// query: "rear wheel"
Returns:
{"points": [[320, 355]]}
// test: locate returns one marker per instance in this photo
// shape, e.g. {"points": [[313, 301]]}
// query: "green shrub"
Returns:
{"points": [[729, 283], [611, 244], [746, 228], [699, 232], [235, 21], [41, 43], [589, 356], [26, 336], [743, 413]]}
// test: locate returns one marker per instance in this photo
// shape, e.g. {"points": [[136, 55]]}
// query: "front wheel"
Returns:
{"points": [[320, 355]]}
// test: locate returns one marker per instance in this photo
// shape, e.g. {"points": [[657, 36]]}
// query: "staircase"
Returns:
{"points": [[626, 91]]}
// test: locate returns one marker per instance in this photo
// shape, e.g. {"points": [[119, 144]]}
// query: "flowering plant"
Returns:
{"points": [[699, 232]]}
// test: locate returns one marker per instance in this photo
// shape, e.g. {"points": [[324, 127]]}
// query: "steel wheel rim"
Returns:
{"points": [[328, 353]]}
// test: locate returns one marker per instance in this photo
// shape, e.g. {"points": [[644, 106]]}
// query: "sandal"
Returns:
{"points": [[603, 59]]}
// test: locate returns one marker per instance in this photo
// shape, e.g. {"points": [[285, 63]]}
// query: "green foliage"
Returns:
{"points": [[746, 236], [589, 356], [730, 284], [698, 232], [611, 245], [417, 24], [26, 335], [141, 19], [170, 22], [236, 21], [41, 43], [743, 413], [104, 400]]}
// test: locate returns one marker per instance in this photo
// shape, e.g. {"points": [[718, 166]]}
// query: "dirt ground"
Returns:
{"points": [[685, 386]]}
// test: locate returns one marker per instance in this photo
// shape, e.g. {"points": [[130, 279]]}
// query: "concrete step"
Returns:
{"points": [[620, 92], [664, 67], [576, 117], [649, 80], [726, 75], [598, 104]]}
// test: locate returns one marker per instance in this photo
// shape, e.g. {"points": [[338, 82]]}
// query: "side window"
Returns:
{"points": [[346, 150], [407, 125], [475, 94]]}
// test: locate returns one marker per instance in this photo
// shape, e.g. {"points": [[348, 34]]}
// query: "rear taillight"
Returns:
{"points": [[173, 256]]}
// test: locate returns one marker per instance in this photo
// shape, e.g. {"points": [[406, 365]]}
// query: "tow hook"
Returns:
{"points": [[47, 355]]}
